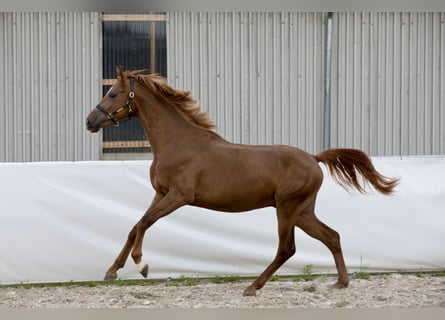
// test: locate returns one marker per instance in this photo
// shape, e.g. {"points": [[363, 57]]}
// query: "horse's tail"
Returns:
{"points": [[343, 164]]}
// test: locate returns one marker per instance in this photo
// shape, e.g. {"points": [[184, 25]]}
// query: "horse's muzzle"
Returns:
{"points": [[92, 125]]}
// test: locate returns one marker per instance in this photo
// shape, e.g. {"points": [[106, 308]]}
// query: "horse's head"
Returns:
{"points": [[116, 105]]}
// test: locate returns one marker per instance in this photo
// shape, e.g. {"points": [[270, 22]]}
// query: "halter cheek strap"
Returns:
{"points": [[128, 106]]}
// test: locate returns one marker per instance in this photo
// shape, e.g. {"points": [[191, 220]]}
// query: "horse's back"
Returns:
{"points": [[236, 177]]}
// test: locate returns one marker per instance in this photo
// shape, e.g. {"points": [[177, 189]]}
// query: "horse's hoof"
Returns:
{"points": [[109, 277], [143, 269], [338, 285], [249, 293]]}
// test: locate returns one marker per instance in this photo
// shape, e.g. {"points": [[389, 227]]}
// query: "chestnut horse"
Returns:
{"points": [[192, 165]]}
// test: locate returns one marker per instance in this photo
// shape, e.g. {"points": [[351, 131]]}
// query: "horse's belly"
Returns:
{"points": [[235, 201]]}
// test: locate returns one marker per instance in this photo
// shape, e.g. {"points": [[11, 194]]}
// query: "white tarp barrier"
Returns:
{"points": [[64, 221]]}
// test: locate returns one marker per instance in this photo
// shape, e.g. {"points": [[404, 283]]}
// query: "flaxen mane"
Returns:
{"points": [[181, 100]]}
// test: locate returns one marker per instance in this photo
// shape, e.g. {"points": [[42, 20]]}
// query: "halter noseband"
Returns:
{"points": [[128, 106]]}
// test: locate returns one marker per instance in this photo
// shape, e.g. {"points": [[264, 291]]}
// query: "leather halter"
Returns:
{"points": [[128, 106]]}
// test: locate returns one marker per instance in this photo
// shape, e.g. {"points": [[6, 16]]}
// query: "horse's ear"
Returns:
{"points": [[120, 72], [136, 72]]}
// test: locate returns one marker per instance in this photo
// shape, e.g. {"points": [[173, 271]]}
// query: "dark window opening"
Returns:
{"points": [[134, 41]]}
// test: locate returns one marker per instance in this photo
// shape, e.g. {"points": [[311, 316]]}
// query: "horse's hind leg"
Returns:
{"points": [[310, 224], [286, 249]]}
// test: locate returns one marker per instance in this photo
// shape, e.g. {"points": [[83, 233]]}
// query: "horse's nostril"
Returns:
{"points": [[90, 126]]}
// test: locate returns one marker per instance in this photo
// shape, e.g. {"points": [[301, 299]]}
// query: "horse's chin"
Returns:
{"points": [[94, 130]]}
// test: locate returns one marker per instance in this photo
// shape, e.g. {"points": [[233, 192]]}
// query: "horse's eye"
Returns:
{"points": [[112, 95]]}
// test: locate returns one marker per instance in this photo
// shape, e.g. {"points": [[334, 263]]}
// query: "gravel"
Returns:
{"points": [[394, 290]]}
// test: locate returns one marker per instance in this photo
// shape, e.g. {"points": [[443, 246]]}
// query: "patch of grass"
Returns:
{"points": [[307, 274], [305, 277], [438, 273], [133, 282], [363, 275], [46, 285], [185, 282], [420, 274], [307, 270], [274, 278], [92, 284], [225, 279]]}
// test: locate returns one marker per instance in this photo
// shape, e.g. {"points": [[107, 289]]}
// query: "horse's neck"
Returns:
{"points": [[163, 125]]}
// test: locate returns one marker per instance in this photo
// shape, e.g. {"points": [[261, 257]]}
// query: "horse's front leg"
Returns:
{"points": [[111, 273], [170, 202]]}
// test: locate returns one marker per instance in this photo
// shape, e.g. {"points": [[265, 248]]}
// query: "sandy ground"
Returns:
{"points": [[393, 290]]}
